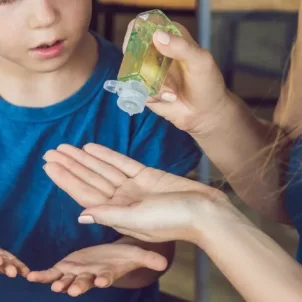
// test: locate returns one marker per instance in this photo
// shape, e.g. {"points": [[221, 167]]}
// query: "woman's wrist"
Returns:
{"points": [[211, 216], [211, 121], [235, 245]]}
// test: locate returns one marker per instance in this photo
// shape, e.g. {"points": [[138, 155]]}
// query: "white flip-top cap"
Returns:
{"points": [[132, 94]]}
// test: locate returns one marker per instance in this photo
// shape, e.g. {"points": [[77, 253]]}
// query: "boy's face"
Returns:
{"points": [[42, 35]]}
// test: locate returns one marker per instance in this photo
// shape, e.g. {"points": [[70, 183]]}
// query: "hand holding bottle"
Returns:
{"points": [[194, 92]]}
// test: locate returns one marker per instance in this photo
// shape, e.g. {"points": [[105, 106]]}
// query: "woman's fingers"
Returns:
{"points": [[113, 216], [74, 155], [124, 164], [79, 169], [113, 175], [184, 50], [80, 191]]}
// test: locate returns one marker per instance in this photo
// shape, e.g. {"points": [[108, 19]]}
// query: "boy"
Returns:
{"points": [[52, 71]]}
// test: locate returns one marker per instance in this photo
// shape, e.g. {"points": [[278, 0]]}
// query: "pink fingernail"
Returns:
{"points": [[169, 97], [45, 155], [163, 38], [86, 219]]}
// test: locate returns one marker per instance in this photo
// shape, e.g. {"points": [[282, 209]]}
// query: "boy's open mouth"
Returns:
{"points": [[46, 45], [49, 50]]}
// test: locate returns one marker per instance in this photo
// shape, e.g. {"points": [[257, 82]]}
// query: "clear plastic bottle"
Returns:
{"points": [[144, 68]]}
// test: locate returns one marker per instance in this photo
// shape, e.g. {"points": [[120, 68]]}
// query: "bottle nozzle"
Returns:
{"points": [[132, 94]]}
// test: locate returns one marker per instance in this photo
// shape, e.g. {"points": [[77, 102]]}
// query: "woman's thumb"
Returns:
{"points": [[112, 216], [181, 49], [175, 47]]}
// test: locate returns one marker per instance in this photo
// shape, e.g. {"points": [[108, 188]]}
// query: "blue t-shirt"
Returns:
{"points": [[293, 193], [38, 221]]}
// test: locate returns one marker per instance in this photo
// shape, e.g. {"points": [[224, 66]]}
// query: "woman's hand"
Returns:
{"points": [[156, 206], [238, 144], [98, 266], [194, 93], [144, 203]]}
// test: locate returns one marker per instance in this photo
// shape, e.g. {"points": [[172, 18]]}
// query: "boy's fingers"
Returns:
{"points": [[47, 276], [23, 270], [137, 258], [104, 280], [11, 266], [10, 270], [81, 284], [63, 284], [151, 260]]}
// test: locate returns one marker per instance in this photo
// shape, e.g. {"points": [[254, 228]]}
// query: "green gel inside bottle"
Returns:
{"points": [[144, 68]]}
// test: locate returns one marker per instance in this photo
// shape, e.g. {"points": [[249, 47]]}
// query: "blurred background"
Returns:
{"points": [[251, 42]]}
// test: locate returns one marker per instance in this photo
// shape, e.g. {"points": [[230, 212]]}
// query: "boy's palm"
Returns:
{"points": [[98, 266]]}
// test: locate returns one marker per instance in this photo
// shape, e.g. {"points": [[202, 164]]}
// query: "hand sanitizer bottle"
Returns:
{"points": [[144, 68]]}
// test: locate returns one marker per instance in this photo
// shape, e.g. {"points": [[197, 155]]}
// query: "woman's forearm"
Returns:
{"points": [[256, 265], [239, 146]]}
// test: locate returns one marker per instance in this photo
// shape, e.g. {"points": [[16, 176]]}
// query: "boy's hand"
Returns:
{"points": [[11, 266], [99, 266]]}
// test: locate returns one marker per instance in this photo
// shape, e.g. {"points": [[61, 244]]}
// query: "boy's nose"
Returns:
{"points": [[43, 15]]}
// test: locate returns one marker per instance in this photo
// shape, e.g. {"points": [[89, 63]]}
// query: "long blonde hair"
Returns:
{"points": [[287, 118], [288, 115]]}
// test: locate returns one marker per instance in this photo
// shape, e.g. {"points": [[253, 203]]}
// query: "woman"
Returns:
{"points": [[155, 206]]}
